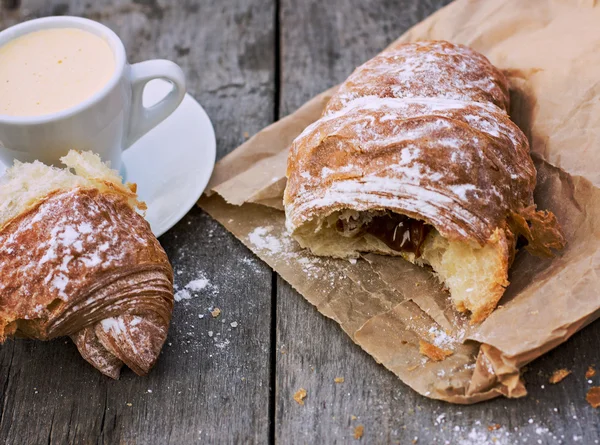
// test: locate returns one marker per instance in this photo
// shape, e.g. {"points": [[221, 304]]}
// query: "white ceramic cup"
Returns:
{"points": [[106, 123]]}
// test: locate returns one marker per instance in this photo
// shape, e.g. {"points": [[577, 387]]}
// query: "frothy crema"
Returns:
{"points": [[51, 70]]}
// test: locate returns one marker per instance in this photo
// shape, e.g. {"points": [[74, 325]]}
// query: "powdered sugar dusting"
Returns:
{"points": [[426, 69], [182, 294], [421, 130], [275, 243], [441, 339], [65, 243], [197, 284], [261, 238], [59, 282], [113, 324], [194, 287]]}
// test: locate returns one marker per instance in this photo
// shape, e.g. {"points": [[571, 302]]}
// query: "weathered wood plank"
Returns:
{"points": [[321, 43], [211, 383]]}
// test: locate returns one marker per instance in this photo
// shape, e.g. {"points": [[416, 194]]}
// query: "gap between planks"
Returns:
{"points": [[273, 337]]}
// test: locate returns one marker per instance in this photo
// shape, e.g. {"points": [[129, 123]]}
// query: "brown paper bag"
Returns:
{"points": [[550, 51]]}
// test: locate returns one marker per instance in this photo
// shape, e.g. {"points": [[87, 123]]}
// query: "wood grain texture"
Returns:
{"points": [[320, 45], [211, 383]]}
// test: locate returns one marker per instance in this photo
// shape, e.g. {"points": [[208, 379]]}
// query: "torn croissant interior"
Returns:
{"points": [[416, 156], [76, 259]]}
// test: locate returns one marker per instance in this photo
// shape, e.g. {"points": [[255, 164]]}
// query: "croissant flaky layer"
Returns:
{"points": [[82, 263], [434, 69], [456, 165], [415, 155]]}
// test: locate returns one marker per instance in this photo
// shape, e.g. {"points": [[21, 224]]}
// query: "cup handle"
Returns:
{"points": [[143, 119]]}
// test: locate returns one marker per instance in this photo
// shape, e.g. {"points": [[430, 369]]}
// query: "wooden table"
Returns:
{"points": [[231, 379]]}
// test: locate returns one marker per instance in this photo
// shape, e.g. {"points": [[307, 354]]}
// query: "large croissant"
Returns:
{"points": [[415, 155], [77, 260]]}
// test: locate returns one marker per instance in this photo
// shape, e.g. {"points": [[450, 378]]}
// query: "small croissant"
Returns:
{"points": [[77, 260]]}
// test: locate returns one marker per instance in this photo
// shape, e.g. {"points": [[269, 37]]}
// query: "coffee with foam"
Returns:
{"points": [[51, 70]]}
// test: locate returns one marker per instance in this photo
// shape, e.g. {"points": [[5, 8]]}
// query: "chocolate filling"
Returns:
{"points": [[398, 232]]}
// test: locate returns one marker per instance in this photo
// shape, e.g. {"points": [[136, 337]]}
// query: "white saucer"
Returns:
{"points": [[173, 162]]}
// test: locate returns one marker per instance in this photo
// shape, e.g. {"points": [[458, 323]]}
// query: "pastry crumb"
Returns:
{"points": [[591, 372], [215, 312], [129, 404], [433, 352], [300, 396], [494, 427], [358, 432], [246, 135], [353, 417], [339, 380], [558, 375], [593, 396]]}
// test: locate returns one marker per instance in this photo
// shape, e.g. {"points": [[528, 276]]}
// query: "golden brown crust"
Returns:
{"points": [[504, 241], [431, 69], [559, 375], [433, 352], [25, 185], [82, 260], [540, 229], [458, 166], [593, 396], [95, 353], [422, 130], [591, 372]]}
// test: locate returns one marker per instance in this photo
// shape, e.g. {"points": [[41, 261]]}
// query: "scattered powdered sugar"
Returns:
{"points": [[461, 190], [326, 171], [198, 284], [277, 243], [59, 282], [443, 71], [190, 290], [441, 339], [248, 261], [482, 437], [308, 264], [482, 432], [541, 430], [262, 240], [92, 260], [221, 344], [75, 230], [182, 294], [85, 228], [113, 324]]}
